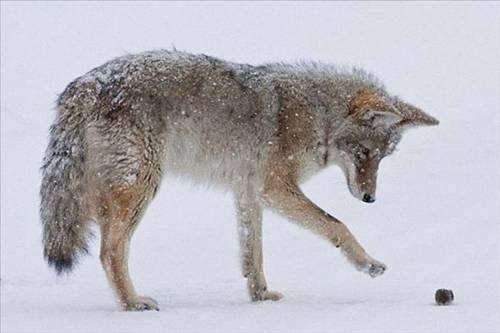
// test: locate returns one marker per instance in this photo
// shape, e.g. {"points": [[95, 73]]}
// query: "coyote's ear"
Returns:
{"points": [[376, 118], [371, 108], [413, 116]]}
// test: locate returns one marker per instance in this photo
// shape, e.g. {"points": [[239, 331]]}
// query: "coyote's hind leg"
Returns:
{"points": [[125, 207], [249, 214], [124, 173]]}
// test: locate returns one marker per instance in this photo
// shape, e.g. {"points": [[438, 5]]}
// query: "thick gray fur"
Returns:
{"points": [[256, 130]]}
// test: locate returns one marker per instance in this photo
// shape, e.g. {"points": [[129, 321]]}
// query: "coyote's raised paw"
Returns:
{"points": [[376, 269]]}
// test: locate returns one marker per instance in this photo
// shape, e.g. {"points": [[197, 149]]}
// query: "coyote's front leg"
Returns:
{"points": [[249, 213], [285, 197]]}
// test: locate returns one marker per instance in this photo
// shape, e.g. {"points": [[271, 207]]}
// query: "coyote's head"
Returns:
{"points": [[371, 132]]}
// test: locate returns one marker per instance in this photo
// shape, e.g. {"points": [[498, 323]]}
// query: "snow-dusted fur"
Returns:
{"points": [[256, 130], [65, 235]]}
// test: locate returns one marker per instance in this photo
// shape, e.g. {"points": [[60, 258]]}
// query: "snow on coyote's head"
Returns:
{"points": [[371, 132]]}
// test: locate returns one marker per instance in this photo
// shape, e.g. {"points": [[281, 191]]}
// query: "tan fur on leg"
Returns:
{"points": [[124, 210], [287, 199]]}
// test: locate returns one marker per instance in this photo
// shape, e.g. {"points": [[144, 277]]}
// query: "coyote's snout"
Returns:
{"points": [[257, 130]]}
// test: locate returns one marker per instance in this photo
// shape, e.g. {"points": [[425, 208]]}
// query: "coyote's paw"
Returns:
{"points": [[375, 269], [265, 295], [141, 303]]}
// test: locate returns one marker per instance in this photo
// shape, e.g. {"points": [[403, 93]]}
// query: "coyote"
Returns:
{"points": [[259, 131]]}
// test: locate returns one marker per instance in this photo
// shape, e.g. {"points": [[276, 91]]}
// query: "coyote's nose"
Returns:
{"points": [[368, 198]]}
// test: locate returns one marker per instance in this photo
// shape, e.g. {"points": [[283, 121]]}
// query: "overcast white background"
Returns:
{"points": [[436, 222]]}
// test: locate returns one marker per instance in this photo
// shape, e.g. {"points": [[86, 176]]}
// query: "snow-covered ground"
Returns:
{"points": [[436, 223]]}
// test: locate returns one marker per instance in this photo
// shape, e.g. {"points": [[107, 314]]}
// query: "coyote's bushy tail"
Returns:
{"points": [[65, 233]]}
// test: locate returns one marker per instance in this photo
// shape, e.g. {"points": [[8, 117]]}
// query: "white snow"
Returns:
{"points": [[436, 223]]}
